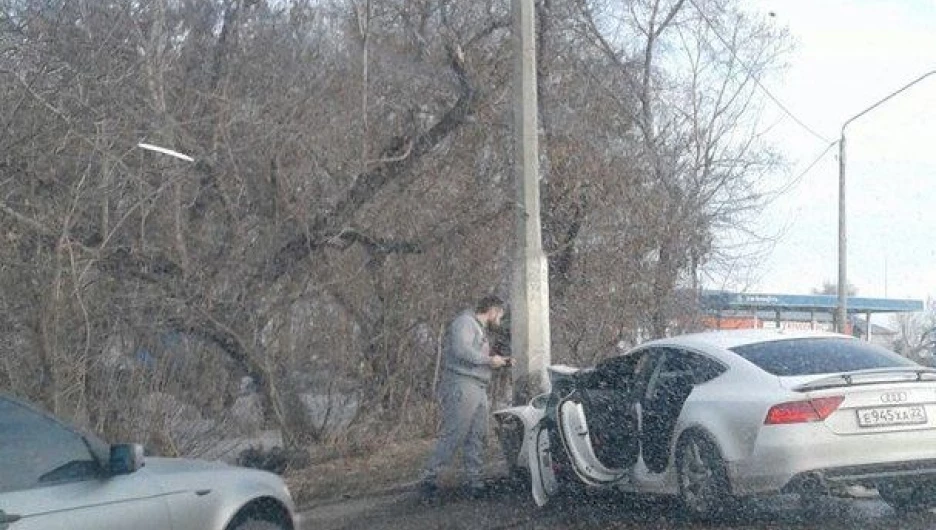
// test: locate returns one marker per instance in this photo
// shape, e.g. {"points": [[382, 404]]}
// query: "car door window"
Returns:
{"points": [[700, 367], [37, 451], [649, 369], [616, 372], [682, 364]]}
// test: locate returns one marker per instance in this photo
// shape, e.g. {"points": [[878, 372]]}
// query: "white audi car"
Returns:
{"points": [[53, 476], [713, 417]]}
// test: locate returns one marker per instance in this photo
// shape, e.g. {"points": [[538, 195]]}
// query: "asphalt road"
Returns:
{"points": [[510, 508]]}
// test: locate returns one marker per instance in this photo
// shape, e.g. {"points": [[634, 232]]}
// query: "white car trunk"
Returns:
{"points": [[883, 408], [875, 401]]}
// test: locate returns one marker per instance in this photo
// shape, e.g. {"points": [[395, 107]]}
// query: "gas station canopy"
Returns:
{"points": [[727, 310], [724, 300]]}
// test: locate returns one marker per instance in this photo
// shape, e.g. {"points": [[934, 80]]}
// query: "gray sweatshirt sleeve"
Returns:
{"points": [[468, 343]]}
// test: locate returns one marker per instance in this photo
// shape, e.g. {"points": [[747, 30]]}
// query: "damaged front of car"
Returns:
{"points": [[521, 428]]}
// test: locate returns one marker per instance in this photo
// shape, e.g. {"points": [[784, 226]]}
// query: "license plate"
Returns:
{"points": [[884, 416]]}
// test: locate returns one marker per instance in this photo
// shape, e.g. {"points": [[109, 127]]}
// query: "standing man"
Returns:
{"points": [[466, 371]]}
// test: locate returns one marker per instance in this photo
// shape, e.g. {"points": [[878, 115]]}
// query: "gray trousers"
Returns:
{"points": [[464, 425]]}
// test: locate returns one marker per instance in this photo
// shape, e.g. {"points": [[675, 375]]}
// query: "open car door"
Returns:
{"points": [[542, 472], [591, 432], [546, 456], [600, 420]]}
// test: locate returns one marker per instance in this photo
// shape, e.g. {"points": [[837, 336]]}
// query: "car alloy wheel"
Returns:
{"points": [[703, 483]]}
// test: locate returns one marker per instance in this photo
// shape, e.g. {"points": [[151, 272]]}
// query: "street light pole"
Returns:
{"points": [[842, 308]]}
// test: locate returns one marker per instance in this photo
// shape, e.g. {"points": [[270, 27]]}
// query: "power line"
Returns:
{"points": [[754, 77], [795, 182]]}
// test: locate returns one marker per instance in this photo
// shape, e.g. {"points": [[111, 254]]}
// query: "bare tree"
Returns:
{"points": [[693, 152], [351, 192], [916, 334]]}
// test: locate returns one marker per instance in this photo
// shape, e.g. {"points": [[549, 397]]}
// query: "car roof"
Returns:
{"points": [[727, 339]]}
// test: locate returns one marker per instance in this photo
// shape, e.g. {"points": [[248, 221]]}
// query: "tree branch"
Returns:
{"points": [[368, 184]]}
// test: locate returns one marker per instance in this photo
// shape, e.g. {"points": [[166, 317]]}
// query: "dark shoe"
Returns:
{"points": [[428, 492], [479, 490]]}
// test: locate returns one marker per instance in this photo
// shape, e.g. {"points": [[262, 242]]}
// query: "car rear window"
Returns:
{"points": [[819, 356]]}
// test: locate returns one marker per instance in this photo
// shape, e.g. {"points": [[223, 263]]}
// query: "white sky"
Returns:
{"points": [[849, 54]]}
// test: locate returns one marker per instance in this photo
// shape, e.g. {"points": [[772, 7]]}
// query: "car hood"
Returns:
{"points": [[186, 474], [182, 474], [170, 466]]}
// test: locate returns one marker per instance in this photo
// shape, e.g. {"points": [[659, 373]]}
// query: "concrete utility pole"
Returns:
{"points": [[529, 297]]}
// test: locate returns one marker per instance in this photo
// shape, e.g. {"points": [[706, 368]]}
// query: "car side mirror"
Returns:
{"points": [[125, 458]]}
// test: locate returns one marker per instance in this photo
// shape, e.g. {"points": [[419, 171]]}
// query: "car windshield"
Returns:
{"points": [[818, 356]]}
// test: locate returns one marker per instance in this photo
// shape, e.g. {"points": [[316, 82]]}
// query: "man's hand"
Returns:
{"points": [[497, 361]]}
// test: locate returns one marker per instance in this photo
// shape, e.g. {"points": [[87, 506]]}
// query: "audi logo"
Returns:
{"points": [[893, 397]]}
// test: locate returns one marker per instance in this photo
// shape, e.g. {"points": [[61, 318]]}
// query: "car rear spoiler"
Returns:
{"points": [[871, 376]]}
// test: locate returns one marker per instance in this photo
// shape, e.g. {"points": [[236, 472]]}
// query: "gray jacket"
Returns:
{"points": [[467, 351]]}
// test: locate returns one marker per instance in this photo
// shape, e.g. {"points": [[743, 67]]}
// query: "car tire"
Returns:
{"points": [[908, 498], [257, 524], [704, 490]]}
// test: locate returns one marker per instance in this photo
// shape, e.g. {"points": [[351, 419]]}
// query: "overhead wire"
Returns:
{"points": [[829, 143], [757, 81], [795, 181]]}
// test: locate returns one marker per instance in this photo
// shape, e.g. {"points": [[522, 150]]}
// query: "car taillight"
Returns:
{"points": [[803, 411]]}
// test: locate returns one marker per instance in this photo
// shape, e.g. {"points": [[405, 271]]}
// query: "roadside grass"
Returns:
{"points": [[374, 457], [332, 475], [392, 465]]}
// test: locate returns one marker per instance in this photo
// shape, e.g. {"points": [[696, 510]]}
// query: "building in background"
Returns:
{"points": [[727, 310]]}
